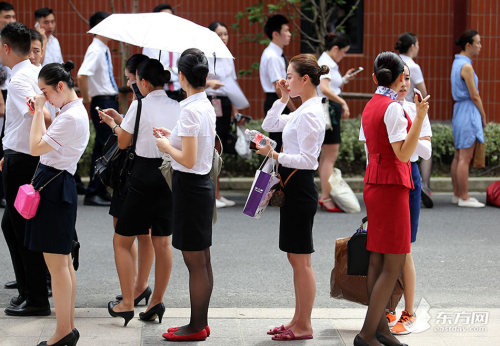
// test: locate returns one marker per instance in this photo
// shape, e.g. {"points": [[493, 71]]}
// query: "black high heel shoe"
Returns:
{"points": [[146, 294], [386, 342], [126, 315], [69, 340], [157, 310], [358, 341]]}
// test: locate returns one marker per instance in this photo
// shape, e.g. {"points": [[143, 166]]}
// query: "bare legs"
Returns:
{"points": [[460, 172], [410, 284], [329, 153], [201, 283], [383, 273], [124, 263], [63, 292]]}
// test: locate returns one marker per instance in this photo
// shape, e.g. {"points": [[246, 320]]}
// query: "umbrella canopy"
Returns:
{"points": [[163, 31]]}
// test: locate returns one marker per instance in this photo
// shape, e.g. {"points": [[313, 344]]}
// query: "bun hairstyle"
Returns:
{"points": [[388, 67], [194, 65], [405, 41], [466, 37], [134, 61], [152, 70], [336, 39], [306, 64], [54, 73]]}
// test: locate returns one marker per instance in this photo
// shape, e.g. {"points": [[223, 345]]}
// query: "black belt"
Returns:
{"points": [[105, 97]]}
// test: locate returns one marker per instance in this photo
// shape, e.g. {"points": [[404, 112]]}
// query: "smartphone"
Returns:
{"points": [[418, 93], [253, 146], [31, 105], [97, 108], [355, 72], [37, 25], [137, 93]]}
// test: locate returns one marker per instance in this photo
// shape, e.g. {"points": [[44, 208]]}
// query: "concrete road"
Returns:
{"points": [[456, 256]]}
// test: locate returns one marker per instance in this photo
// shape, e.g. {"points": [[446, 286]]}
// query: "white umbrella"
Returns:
{"points": [[163, 31]]}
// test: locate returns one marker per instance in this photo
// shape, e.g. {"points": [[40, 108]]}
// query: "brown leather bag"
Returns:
{"points": [[352, 287], [479, 159]]}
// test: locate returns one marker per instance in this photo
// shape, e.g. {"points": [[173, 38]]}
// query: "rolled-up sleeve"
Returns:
{"points": [[274, 120]]}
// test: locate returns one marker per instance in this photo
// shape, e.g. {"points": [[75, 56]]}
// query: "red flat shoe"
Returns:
{"points": [[288, 335], [276, 330], [174, 329], [199, 336]]}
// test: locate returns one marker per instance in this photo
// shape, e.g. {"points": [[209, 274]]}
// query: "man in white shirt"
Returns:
{"points": [[273, 65], [18, 167], [98, 87], [46, 25], [7, 15], [169, 61]]}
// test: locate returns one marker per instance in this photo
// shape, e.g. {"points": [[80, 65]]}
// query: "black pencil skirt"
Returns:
{"points": [[148, 203], [193, 198], [297, 214], [52, 229], [333, 136]]}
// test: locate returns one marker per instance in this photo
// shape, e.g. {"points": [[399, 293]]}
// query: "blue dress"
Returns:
{"points": [[466, 123]]}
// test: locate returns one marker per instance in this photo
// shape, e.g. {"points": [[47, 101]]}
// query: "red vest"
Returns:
{"points": [[383, 165]]}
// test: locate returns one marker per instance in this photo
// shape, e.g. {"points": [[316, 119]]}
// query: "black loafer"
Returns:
{"points": [[11, 285], [16, 301], [27, 310], [386, 342], [96, 201]]}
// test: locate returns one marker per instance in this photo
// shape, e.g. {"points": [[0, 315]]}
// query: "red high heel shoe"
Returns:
{"points": [[199, 336], [174, 329], [330, 210]]}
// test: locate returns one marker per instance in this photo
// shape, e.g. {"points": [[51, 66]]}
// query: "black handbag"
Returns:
{"points": [[229, 141], [113, 168], [358, 257]]}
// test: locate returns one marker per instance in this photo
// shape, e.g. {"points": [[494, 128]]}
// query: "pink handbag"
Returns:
{"points": [[28, 198]]}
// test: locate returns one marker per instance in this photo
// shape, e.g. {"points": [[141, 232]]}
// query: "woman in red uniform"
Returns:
{"points": [[391, 139]]}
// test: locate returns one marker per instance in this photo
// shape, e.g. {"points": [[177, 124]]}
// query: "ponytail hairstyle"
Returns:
{"points": [[388, 66], [53, 73], [152, 70], [336, 39], [134, 61], [194, 65], [306, 64], [405, 41], [466, 37]]}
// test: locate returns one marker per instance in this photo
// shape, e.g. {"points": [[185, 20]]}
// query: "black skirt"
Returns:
{"points": [[223, 123], [193, 207], [52, 229], [333, 136], [148, 203], [297, 214], [116, 204]]}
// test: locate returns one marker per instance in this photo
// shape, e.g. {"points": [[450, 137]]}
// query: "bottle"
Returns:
{"points": [[258, 138]]}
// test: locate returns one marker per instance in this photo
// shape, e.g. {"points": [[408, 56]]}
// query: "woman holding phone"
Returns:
{"points": [[148, 202], [391, 140], [303, 134], [51, 230], [191, 146], [143, 250], [330, 87]]}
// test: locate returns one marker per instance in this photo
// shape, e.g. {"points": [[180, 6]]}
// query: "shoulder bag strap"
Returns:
{"points": [[279, 176], [136, 127], [55, 176]]}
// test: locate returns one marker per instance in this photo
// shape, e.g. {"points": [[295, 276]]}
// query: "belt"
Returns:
{"points": [[105, 97]]}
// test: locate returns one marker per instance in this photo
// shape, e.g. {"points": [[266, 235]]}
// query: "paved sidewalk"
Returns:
{"points": [[231, 327]]}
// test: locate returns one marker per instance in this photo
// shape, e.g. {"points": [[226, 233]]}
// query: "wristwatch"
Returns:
{"points": [[114, 127]]}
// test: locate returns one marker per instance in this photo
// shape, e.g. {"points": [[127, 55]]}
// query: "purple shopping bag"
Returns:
{"points": [[260, 193]]}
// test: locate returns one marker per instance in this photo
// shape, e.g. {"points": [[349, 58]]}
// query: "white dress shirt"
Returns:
{"points": [[334, 76], [24, 82], [272, 67], [303, 132], [424, 147], [52, 51], [224, 69], [416, 76], [167, 64], [69, 136], [95, 66], [158, 110], [197, 119]]}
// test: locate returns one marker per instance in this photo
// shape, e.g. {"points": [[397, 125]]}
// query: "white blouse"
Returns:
{"points": [[303, 133], [334, 76], [197, 119], [224, 69], [158, 110], [68, 135], [416, 76]]}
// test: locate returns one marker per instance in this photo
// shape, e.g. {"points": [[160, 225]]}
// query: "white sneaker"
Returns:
{"points": [[227, 202], [454, 199], [219, 204], [470, 203]]}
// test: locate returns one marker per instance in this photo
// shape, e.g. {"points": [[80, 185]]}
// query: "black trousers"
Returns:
{"points": [[4, 94], [268, 103], [102, 133], [29, 266]]}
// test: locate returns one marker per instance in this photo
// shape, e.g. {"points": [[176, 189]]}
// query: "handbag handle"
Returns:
{"points": [[33, 179], [136, 126], [279, 175]]}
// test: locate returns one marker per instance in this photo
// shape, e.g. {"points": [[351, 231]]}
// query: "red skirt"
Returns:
{"points": [[388, 211]]}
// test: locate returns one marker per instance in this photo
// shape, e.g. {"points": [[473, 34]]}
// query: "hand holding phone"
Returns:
{"points": [[31, 104], [418, 94], [97, 108], [355, 72]]}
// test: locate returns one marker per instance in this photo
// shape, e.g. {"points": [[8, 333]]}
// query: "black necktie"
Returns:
{"points": [[286, 62]]}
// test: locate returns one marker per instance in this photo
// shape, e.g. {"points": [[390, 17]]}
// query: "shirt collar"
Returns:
{"points": [[71, 105], [100, 43], [312, 100], [381, 90], [20, 65], [156, 93], [327, 56], [460, 56], [276, 48], [192, 98]]}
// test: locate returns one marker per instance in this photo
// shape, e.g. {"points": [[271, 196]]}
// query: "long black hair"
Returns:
{"points": [[388, 67], [194, 65], [152, 70], [55, 72]]}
